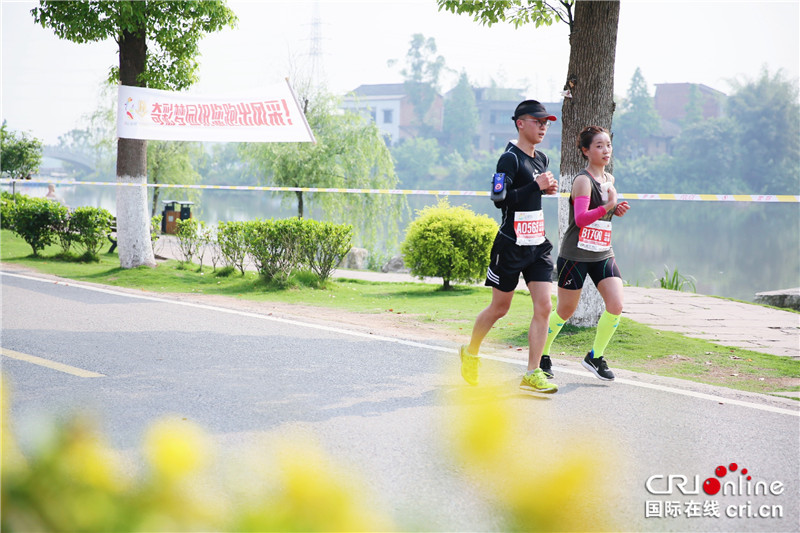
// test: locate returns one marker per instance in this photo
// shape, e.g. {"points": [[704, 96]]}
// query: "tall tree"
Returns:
{"points": [[698, 165], [20, 155], [414, 159], [97, 138], [171, 162], [694, 107], [222, 164], [421, 73], [590, 82], [461, 120], [767, 132], [349, 153], [636, 121], [158, 47]]}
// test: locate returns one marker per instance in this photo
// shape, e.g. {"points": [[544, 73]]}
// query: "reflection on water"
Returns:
{"points": [[731, 249]]}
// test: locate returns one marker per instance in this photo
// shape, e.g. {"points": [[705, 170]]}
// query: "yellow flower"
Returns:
{"points": [[12, 459], [316, 495], [88, 458], [176, 448], [543, 477], [481, 428]]}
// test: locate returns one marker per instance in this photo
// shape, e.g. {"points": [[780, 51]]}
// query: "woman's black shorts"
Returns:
{"points": [[571, 274]]}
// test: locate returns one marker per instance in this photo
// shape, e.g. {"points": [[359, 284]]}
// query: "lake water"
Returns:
{"points": [[731, 249]]}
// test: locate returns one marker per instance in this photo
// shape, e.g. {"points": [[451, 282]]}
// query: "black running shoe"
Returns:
{"points": [[547, 366], [598, 367]]}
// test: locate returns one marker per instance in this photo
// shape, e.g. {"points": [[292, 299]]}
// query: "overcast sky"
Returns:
{"points": [[50, 85]]}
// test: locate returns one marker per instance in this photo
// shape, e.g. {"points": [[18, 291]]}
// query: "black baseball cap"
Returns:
{"points": [[532, 108]]}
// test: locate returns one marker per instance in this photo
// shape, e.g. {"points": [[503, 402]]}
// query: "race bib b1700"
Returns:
{"points": [[596, 237]]}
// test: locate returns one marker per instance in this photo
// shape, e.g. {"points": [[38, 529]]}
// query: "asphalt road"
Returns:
{"points": [[379, 405]]}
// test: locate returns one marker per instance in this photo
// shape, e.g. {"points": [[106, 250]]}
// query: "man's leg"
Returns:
{"points": [[535, 379], [470, 362], [537, 334], [497, 309]]}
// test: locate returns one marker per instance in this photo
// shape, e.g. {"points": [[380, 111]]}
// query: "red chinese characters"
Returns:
{"points": [[263, 113]]}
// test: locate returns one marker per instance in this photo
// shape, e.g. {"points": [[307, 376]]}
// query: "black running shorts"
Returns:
{"points": [[508, 261], [572, 273]]}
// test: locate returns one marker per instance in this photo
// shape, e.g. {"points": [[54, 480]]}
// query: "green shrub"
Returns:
{"points": [[66, 236], [8, 205], [92, 226], [232, 244], [155, 229], [449, 242], [274, 247], [323, 246], [189, 238], [205, 236], [36, 221]]}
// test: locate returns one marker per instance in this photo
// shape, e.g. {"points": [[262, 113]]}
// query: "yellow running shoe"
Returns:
{"points": [[536, 381], [469, 366]]}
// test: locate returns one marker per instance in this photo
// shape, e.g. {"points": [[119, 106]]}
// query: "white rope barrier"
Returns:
{"points": [[759, 198]]}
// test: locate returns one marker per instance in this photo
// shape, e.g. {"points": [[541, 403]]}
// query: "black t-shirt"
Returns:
{"points": [[523, 193]]}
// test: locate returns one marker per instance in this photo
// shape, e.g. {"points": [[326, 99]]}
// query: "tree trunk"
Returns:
{"points": [[590, 81], [133, 222], [299, 204], [156, 195]]}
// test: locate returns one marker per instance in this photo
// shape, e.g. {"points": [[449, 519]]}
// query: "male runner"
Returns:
{"points": [[520, 246]]}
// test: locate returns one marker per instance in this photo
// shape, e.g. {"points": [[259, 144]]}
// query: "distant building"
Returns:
{"points": [[495, 107], [671, 101], [495, 128], [389, 106]]}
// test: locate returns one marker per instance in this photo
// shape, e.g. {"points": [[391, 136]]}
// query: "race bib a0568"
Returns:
{"points": [[529, 227]]}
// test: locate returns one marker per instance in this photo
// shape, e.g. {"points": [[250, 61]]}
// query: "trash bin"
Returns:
{"points": [[170, 217], [186, 210]]}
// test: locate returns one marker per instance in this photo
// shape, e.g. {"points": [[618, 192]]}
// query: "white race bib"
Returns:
{"points": [[596, 237], [529, 227]]}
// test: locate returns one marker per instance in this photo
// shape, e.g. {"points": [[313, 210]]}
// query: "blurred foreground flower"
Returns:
{"points": [[310, 493], [74, 483], [535, 480], [176, 448]]}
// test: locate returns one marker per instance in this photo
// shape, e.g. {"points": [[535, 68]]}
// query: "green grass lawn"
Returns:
{"points": [[634, 347]]}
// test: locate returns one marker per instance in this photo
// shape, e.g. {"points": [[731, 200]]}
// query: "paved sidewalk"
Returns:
{"points": [[724, 322]]}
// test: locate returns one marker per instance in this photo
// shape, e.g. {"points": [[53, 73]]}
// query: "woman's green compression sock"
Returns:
{"points": [[606, 327], [556, 323]]}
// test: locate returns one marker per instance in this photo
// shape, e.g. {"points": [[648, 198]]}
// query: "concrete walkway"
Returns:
{"points": [[724, 322], [721, 321]]}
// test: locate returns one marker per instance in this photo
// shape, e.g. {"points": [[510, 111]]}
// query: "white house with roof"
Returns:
{"points": [[389, 106]]}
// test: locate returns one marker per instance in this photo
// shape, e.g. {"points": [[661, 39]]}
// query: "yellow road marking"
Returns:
{"points": [[81, 373]]}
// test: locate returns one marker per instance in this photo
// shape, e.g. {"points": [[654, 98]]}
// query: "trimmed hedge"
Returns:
{"points": [[92, 225], [324, 245], [279, 247], [276, 247], [452, 243], [37, 221], [232, 244], [41, 222]]}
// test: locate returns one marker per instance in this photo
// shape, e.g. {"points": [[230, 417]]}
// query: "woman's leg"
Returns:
{"points": [[611, 290], [565, 308]]}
